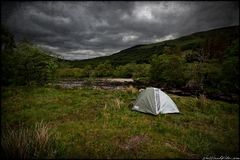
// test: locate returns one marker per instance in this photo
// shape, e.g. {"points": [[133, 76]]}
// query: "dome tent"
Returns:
{"points": [[154, 101]]}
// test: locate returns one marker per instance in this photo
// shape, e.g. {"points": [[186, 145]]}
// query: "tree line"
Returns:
{"points": [[207, 66]]}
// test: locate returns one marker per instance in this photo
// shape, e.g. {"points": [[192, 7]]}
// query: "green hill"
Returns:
{"points": [[215, 41]]}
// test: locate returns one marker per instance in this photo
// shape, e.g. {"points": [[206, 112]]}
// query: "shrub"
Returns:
{"points": [[141, 71], [125, 71], [27, 64], [87, 71], [103, 70], [70, 72], [132, 70], [202, 74]]}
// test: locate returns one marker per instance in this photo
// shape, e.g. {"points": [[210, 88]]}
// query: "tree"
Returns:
{"points": [[8, 43], [191, 56], [103, 70], [230, 68], [168, 69], [141, 70], [28, 64], [87, 70]]}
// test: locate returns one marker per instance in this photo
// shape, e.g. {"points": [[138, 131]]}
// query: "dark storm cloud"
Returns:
{"points": [[79, 30]]}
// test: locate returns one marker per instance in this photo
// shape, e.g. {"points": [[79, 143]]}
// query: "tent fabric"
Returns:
{"points": [[154, 101]]}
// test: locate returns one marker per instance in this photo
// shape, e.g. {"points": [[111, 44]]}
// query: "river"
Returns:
{"points": [[123, 83]]}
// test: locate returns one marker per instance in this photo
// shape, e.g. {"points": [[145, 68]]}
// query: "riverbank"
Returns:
{"points": [[123, 83]]}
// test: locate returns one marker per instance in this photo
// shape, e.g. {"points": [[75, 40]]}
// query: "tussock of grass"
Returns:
{"points": [[131, 89], [93, 123], [117, 103], [25, 143]]}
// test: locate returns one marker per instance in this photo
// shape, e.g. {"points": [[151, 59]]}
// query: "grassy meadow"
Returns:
{"points": [[51, 122]]}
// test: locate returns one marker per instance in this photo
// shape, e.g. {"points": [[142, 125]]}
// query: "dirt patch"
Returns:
{"points": [[133, 143], [181, 148]]}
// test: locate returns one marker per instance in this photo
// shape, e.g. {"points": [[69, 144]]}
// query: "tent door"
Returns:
{"points": [[157, 99]]}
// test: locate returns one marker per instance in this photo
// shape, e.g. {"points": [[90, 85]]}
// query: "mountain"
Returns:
{"points": [[214, 41]]}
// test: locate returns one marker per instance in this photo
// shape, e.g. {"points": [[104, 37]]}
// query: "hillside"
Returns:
{"points": [[218, 40]]}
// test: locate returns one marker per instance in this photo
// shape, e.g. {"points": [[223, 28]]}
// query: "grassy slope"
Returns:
{"points": [[143, 53], [100, 124]]}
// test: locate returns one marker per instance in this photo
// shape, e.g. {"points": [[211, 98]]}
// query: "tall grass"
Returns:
{"points": [[202, 103], [23, 143], [131, 89], [117, 103]]}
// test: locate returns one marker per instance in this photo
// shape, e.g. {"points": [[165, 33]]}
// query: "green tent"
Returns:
{"points": [[154, 101]]}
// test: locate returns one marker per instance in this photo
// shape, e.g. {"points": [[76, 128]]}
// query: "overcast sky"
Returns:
{"points": [[81, 30]]}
